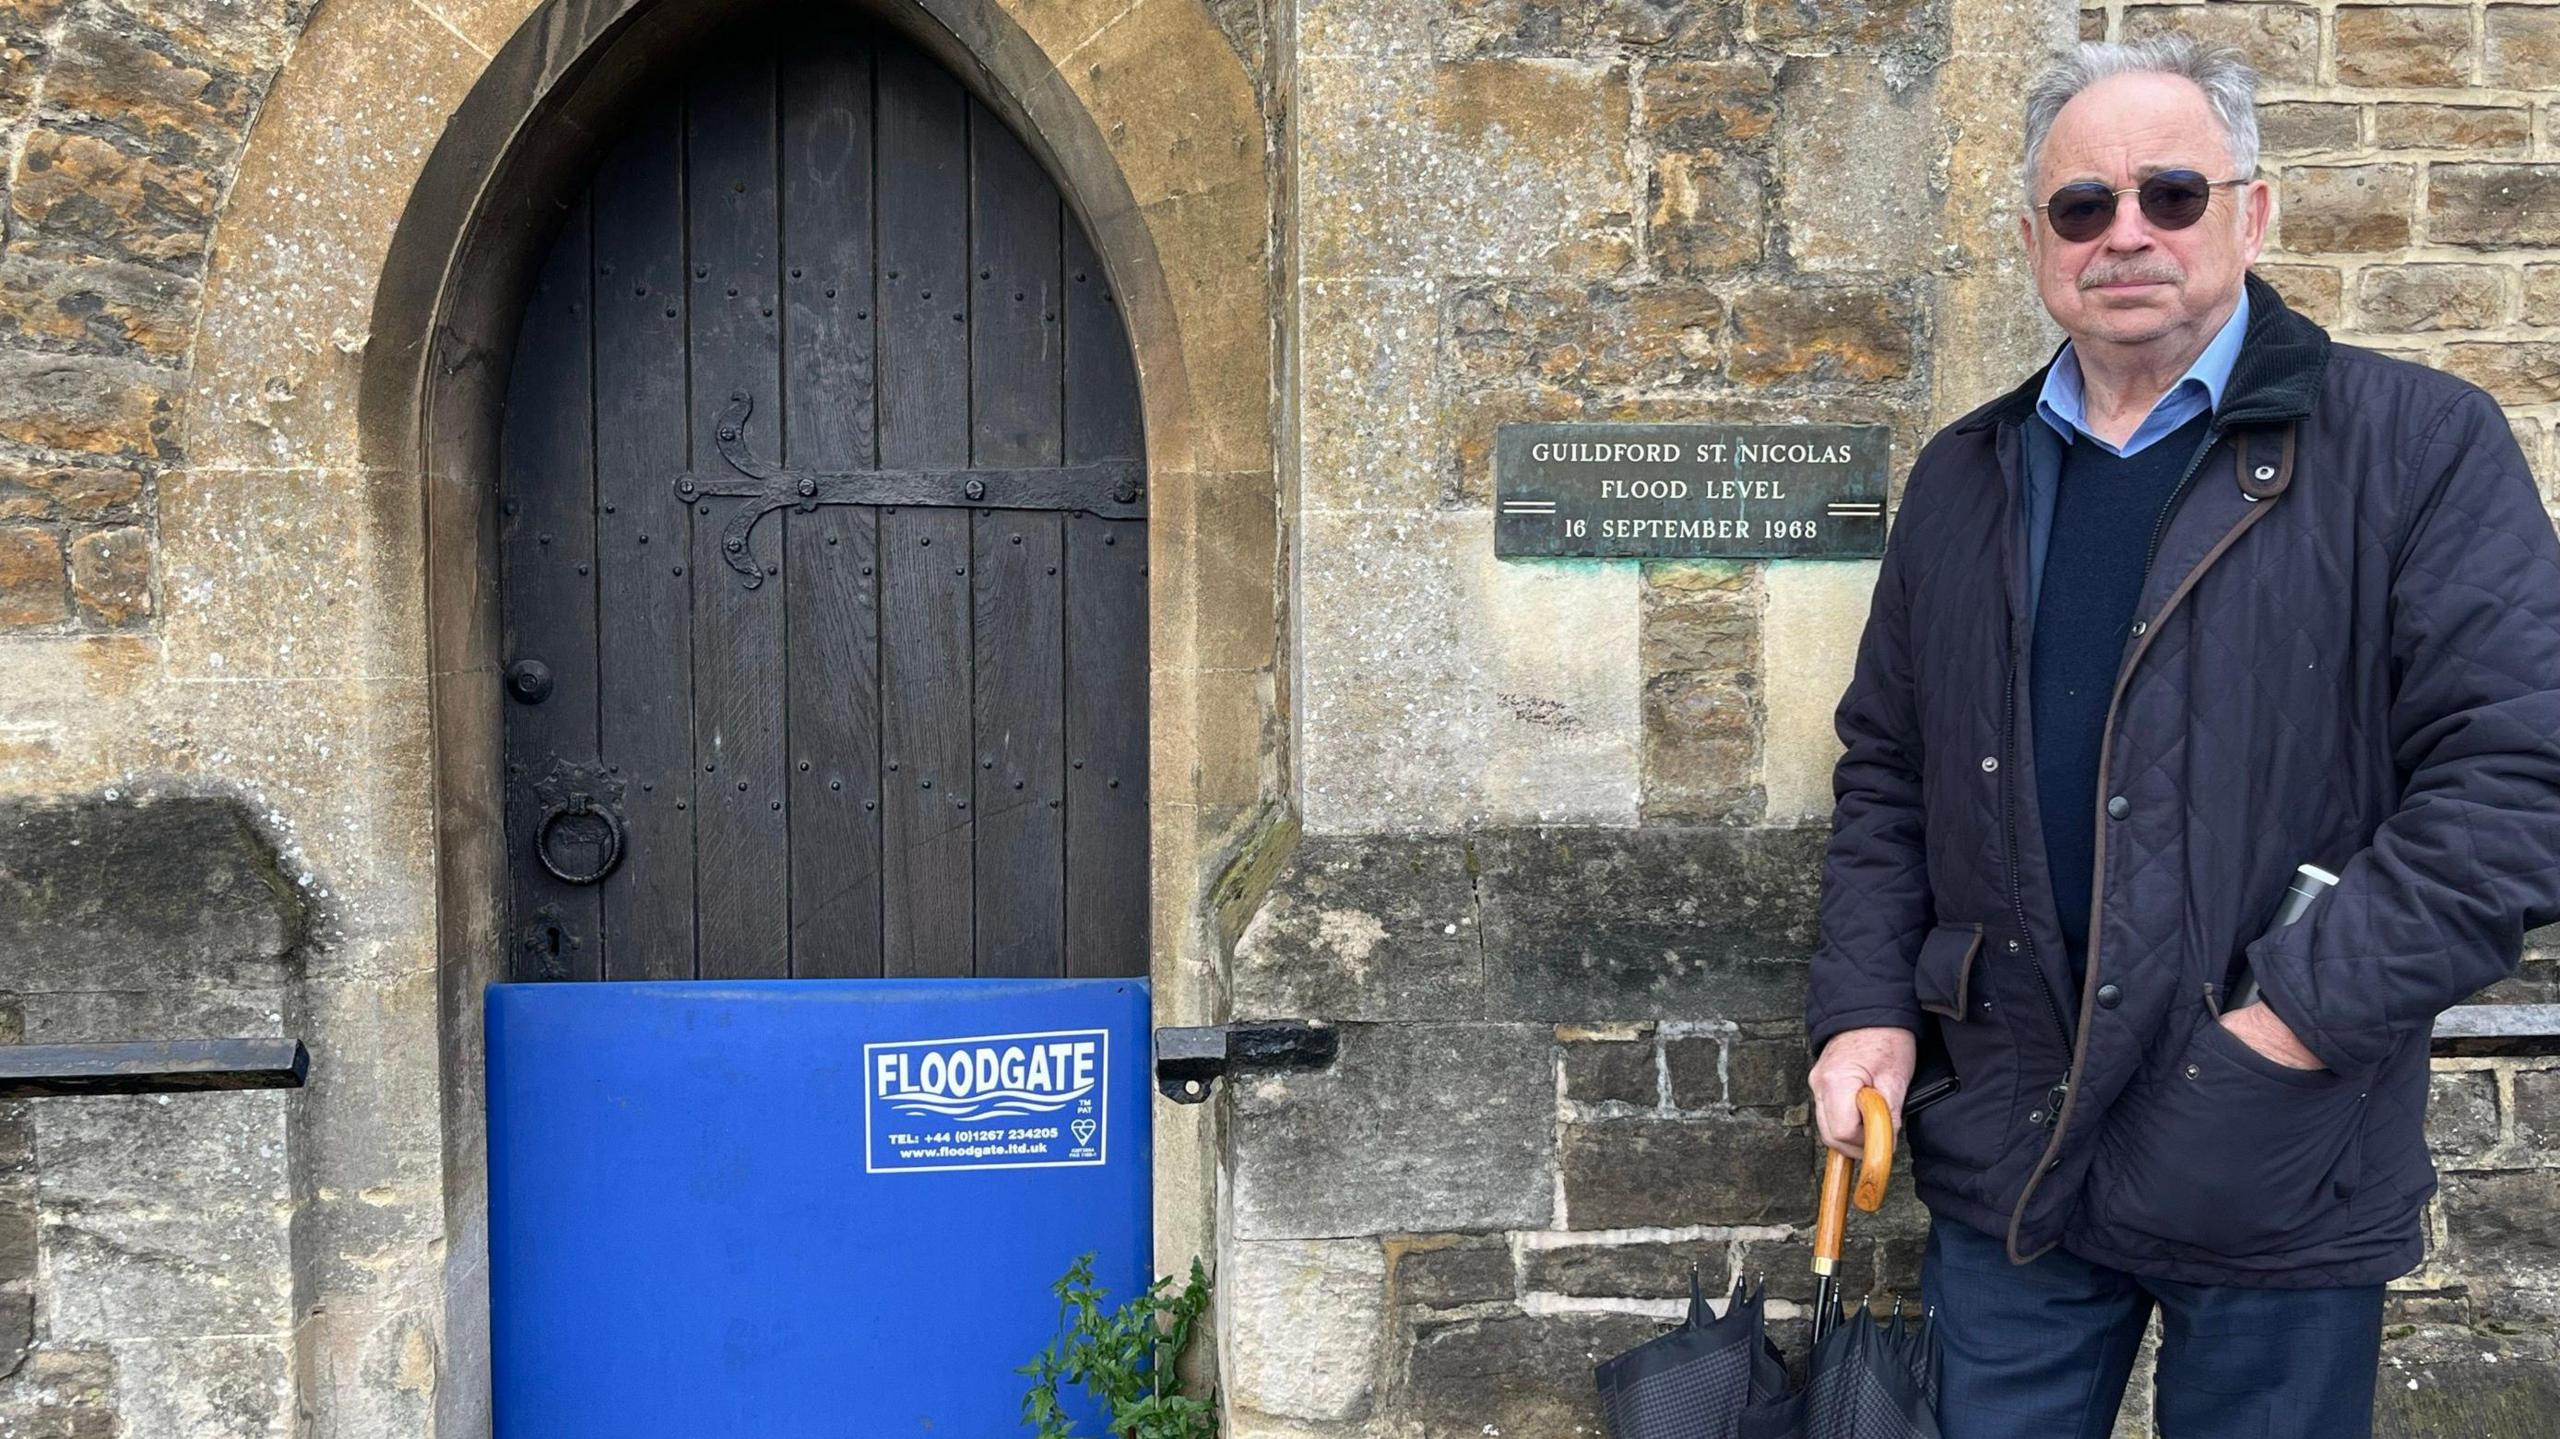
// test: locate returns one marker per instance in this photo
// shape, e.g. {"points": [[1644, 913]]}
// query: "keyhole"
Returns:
{"points": [[551, 932]]}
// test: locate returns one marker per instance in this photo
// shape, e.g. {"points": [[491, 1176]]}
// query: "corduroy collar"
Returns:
{"points": [[2282, 356]]}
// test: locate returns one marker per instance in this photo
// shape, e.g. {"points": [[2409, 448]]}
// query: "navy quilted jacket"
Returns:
{"points": [[2347, 652]]}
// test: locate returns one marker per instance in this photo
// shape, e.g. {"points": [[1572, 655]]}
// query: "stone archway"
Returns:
{"points": [[358, 311]]}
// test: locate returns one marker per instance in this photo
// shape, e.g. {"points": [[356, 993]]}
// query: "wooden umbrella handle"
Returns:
{"points": [[1875, 1166]]}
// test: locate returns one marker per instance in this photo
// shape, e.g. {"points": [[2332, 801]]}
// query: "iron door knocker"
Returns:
{"points": [[608, 826]]}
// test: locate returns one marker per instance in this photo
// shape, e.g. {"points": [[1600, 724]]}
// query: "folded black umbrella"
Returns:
{"points": [[1697, 1381], [1871, 1378], [1719, 1377]]}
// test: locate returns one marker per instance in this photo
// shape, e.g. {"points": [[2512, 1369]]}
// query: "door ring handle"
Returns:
{"points": [[579, 806]]}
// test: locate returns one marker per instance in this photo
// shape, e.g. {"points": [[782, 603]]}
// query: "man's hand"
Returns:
{"points": [[2260, 1029], [1854, 1059]]}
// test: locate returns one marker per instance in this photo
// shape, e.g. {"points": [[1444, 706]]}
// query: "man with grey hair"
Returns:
{"points": [[2207, 598]]}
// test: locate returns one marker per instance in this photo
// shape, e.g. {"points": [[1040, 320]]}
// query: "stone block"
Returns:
{"points": [[62, 1392], [1415, 1127], [1584, 337], [1365, 928], [2403, 46], [1824, 335], [2333, 209], [1305, 1322], [1702, 746], [122, 1261], [2503, 1222], [2523, 46], [174, 894], [1467, 430], [78, 195], [1817, 611], [1709, 105], [1671, 27], [2281, 41], [1654, 1269], [2521, 372], [1856, 25], [111, 575], [1852, 131], [2542, 294], [17, 1330], [2472, 129], [214, 1388], [2312, 289], [1506, 166], [1611, 1071], [2538, 1109], [1368, 394], [2462, 1113], [1523, 1374], [1480, 29], [100, 405], [17, 1234], [1651, 924], [86, 493], [1632, 1173], [32, 588], [1708, 212], [104, 307], [2440, 1380], [1443, 1271], [2493, 207], [2409, 298], [1695, 1063], [1765, 1073], [2307, 127]]}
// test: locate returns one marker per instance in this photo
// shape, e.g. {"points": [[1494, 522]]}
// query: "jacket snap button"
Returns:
{"points": [[2013, 946], [2036, 1118], [2191, 1071], [2139, 626], [1990, 762], [2119, 807], [2108, 996]]}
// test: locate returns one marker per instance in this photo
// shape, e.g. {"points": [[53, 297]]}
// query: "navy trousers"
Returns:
{"points": [[2042, 1350]]}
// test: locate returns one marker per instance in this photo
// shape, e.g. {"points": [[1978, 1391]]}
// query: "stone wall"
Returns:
{"points": [[2416, 150], [1563, 818], [147, 1279]]}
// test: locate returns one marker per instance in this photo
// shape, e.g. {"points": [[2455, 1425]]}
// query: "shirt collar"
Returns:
{"points": [[2064, 401]]}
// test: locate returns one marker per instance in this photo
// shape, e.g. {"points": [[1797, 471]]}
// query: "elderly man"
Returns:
{"points": [[2208, 598]]}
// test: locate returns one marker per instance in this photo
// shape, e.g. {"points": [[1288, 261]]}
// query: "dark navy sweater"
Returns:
{"points": [[2104, 512]]}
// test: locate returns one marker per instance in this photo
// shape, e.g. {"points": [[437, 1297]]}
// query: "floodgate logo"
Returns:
{"points": [[988, 1101]]}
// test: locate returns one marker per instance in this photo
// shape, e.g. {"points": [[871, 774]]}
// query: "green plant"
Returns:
{"points": [[1123, 1357]]}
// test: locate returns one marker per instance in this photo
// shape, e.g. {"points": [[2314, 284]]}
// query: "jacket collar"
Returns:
{"points": [[2282, 357]]}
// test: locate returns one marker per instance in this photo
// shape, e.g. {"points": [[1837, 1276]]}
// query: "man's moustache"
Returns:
{"points": [[2091, 279]]}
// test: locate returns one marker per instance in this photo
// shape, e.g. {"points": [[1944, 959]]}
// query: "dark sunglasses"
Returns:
{"points": [[2170, 200]]}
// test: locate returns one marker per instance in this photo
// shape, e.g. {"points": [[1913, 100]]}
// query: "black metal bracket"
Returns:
{"points": [[174, 1066], [1188, 1061], [1111, 489]]}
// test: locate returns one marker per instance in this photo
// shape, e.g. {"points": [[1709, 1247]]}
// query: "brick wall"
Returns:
{"points": [[2416, 150]]}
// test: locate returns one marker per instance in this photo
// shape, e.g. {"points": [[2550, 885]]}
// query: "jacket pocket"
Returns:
{"points": [[2230, 1153], [1966, 1129], [1942, 978]]}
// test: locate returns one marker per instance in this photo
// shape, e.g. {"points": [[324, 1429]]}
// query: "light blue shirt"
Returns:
{"points": [[2064, 403]]}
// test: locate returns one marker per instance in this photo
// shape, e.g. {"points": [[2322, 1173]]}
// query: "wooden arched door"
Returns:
{"points": [[824, 548]]}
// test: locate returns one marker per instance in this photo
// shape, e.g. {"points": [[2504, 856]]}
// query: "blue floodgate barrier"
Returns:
{"points": [[790, 1208]]}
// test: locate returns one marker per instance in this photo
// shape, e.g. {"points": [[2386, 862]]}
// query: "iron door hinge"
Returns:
{"points": [[1188, 1060]]}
